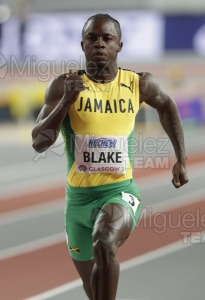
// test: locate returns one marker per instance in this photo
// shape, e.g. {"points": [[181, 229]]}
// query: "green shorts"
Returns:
{"points": [[83, 206]]}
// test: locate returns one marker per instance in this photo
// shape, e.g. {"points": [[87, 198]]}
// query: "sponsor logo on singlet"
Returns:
{"points": [[102, 143], [104, 154], [82, 168], [130, 87]]}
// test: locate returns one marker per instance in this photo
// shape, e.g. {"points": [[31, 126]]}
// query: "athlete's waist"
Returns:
{"points": [[97, 189]]}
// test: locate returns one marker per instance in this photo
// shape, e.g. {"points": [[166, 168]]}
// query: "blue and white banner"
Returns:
{"points": [[185, 33]]}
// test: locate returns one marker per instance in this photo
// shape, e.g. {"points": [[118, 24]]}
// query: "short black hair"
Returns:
{"points": [[107, 17]]}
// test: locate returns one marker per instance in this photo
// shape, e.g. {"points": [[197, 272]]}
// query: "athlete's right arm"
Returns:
{"points": [[60, 95]]}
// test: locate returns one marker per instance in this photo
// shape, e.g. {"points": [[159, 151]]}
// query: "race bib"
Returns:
{"points": [[101, 154], [131, 200]]}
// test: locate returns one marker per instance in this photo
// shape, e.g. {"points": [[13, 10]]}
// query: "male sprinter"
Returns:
{"points": [[95, 109]]}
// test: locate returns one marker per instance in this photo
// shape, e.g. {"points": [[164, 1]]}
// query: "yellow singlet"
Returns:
{"points": [[99, 131]]}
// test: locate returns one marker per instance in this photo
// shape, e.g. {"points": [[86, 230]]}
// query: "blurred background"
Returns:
{"points": [[40, 40]]}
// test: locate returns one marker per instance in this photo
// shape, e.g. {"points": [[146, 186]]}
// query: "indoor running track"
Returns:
{"points": [[162, 260]]}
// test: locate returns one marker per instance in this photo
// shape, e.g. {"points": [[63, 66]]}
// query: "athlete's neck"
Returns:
{"points": [[101, 73]]}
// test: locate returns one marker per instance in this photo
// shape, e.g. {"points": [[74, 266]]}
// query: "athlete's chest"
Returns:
{"points": [[105, 107], [98, 105]]}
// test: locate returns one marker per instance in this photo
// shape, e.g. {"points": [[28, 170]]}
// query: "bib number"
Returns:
{"points": [[131, 200]]}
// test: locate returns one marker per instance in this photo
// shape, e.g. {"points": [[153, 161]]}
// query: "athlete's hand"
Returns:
{"points": [[179, 174], [73, 85]]}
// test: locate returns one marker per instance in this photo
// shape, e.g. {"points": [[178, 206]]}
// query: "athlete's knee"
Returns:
{"points": [[104, 250]]}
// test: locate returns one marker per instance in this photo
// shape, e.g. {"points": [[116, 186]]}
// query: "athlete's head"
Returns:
{"points": [[105, 17], [101, 39]]}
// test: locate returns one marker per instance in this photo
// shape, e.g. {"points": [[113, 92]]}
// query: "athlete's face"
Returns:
{"points": [[101, 42]]}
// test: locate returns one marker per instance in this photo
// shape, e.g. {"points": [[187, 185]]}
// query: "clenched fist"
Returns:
{"points": [[179, 175], [73, 85]]}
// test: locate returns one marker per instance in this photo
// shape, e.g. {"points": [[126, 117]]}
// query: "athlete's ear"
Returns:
{"points": [[120, 46], [82, 46]]}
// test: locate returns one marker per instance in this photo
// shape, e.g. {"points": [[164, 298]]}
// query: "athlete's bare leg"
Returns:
{"points": [[84, 269], [100, 276], [112, 228]]}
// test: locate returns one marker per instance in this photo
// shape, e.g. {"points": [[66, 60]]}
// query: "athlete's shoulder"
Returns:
{"points": [[145, 76], [129, 75], [148, 86], [128, 71], [145, 79]]}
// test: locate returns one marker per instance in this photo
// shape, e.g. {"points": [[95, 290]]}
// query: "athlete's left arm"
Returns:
{"points": [[155, 96]]}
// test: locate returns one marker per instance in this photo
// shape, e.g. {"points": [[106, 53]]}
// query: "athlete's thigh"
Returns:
{"points": [[113, 224], [79, 239], [119, 214]]}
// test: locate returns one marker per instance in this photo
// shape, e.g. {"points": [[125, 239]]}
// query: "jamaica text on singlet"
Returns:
{"points": [[106, 106]]}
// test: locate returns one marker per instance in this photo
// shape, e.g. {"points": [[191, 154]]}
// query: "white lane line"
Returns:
{"points": [[32, 246], [33, 211], [155, 181], [162, 178], [179, 201], [31, 185], [142, 259], [58, 205], [160, 252], [21, 178], [57, 291], [149, 181]]}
